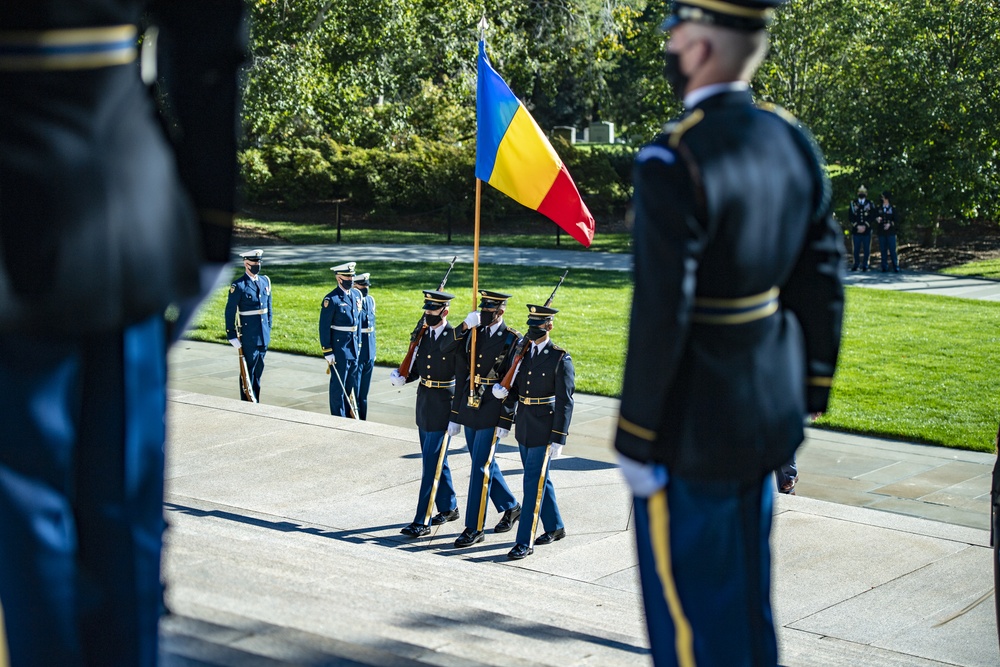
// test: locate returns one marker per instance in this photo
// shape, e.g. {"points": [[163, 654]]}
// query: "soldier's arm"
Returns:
{"points": [[270, 299], [565, 384], [326, 312], [232, 305], [668, 244]]}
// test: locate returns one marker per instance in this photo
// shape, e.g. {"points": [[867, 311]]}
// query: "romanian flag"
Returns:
{"points": [[513, 155]]}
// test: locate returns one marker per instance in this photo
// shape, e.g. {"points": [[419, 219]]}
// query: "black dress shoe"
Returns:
{"points": [[508, 519], [416, 530], [442, 517], [519, 551], [551, 536], [469, 537]]}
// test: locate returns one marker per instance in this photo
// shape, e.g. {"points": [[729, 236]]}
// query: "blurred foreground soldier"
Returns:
{"points": [[107, 216], [248, 318], [433, 365], [366, 360], [542, 391], [340, 338], [734, 335], [862, 217], [995, 527], [480, 413]]}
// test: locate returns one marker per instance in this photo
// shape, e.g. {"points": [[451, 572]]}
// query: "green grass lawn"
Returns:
{"points": [[299, 233], [915, 367], [989, 268]]}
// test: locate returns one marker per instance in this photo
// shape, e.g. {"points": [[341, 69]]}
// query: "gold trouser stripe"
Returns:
{"points": [[437, 478], [486, 482], [541, 491], [4, 658], [730, 9], [67, 49], [636, 430], [739, 302], [737, 318], [659, 539], [819, 381]]}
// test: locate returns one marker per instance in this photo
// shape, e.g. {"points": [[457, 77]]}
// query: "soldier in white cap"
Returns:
{"points": [[248, 318], [366, 361], [340, 338]]}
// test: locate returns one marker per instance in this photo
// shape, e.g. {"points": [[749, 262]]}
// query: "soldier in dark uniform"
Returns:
{"points": [[480, 412], [734, 335], [542, 391], [862, 218], [885, 219], [107, 216], [433, 366], [340, 338], [249, 316], [366, 360]]}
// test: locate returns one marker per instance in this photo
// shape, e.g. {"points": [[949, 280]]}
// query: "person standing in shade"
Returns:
{"points": [[733, 337], [340, 338], [433, 366], [542, 393], [366, 360], [480, 413], [107, 221], [885, 219], [862, 217], [249, 317]]}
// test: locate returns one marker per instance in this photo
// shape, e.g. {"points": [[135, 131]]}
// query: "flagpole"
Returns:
{"points": [[475, 290]]}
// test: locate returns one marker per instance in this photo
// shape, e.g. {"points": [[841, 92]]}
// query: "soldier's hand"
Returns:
{"points": [[502, 433], [555, 451], [644, 479], [330, 359], [235, 342], [472, 320], [395, 379], [499, 391], [454, 428]]}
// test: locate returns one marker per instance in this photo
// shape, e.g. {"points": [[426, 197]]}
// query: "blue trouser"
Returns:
{"points": [[539, 496], [364, 384], [862, 246], [254, 357], [347, 370], [887, 244], [436, 487], [713, 607], [81, 495], [485, 479]]}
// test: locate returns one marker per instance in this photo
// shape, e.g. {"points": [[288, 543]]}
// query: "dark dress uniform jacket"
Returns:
{"points": [[738, 299], [131, 205], [548, 373], [248, 295], [862, 213], [434, 360], [341, 309], [493, 355]]}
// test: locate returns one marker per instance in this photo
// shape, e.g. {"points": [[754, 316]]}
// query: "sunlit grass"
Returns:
{"points": [[989, 268]]}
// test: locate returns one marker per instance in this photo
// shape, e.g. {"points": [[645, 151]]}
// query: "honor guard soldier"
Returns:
{"points": [[886, 220], [480, 412], [862, 218], [542, 393], [366, 360], [434, 368], [249, 316], [116, 202], [340, 338], [733, 340]]}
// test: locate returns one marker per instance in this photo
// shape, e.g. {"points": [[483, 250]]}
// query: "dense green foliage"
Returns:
{"points": [[912, 366]]}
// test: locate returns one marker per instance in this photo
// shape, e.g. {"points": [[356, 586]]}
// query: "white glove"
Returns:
{"points": [[499, 391], [235, 342], [395, 379], [472, 320], [644, 479], [502, 433], [555, 451], [330, 359], [454, 428]]}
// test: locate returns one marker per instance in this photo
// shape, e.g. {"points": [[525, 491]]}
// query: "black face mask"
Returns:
{"points": [[346, 285], [672, 70], [363, 290], [254, 269], [487, 317], [432, 320], [534, 333]]}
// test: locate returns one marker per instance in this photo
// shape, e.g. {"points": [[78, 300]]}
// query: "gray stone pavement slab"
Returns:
{"points": [[283, 548]]}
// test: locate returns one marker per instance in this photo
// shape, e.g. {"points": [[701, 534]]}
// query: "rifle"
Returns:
{"points": [[352, 407], [244, 371], [418, 333], [522, 345]]}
